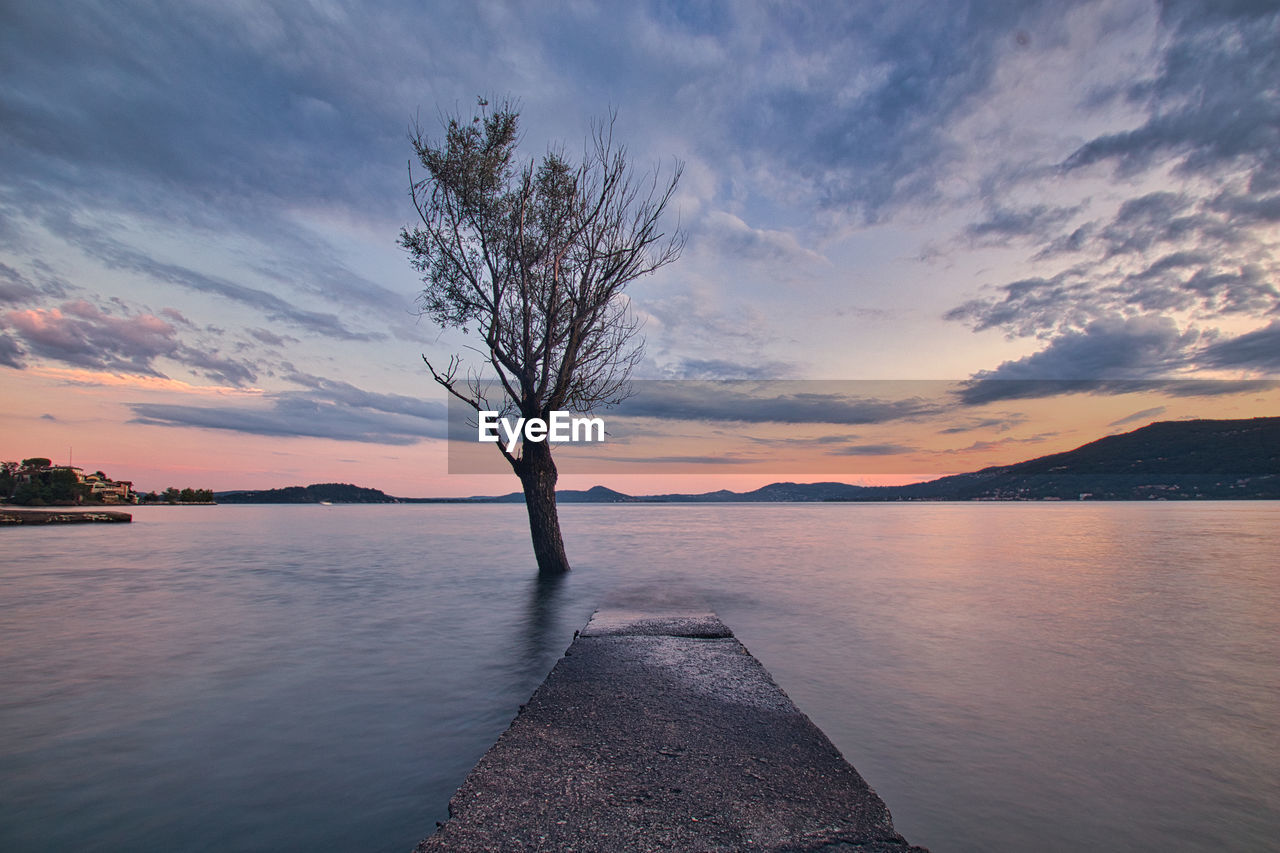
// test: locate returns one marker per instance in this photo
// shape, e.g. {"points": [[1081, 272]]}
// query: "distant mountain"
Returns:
{"points": [[344, 493], [1216, 459], [1207, 459], [593, 495], [774, 492], [1175, 460]]}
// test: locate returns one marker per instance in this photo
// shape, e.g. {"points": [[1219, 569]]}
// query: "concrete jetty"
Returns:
{"points": [[660, 731]]}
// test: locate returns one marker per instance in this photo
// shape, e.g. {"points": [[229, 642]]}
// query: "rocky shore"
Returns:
{"points": [[68, 516]]}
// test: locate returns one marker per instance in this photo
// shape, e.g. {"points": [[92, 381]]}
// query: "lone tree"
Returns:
{"points": [[534, 258]]}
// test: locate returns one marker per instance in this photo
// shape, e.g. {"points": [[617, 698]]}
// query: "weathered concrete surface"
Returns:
{"points": [[661, 732], [72, 516]]}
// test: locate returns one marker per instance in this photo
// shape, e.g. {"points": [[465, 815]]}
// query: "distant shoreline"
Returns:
{"points": [[1164, 461], [573, 498]]}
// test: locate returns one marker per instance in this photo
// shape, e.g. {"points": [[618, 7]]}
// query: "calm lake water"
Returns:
{"points": [[1053, 677]]}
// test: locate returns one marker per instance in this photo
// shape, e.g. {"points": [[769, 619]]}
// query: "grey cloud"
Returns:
{"points": [[890, 144], [815, 441], [1249, 209], [1007, 224], [349, 395], [116, 254], [1245, 290], [10, 352], [1144, 415], [15, 288], [977, 392], [270, 338], [292, 418], [1106, 350], [780, 402], [330, 409], [1216, 387], [1001, 424], [1151, 209], [737, 239], [1066, 244], [707, 334], [1256, 350], [1145, 221], [1110, 348], [681, 460], [720, 368], [228, 120], [83, 334], [1170, 263], [214, 100], [1206, 271], [846, 106], [1213, 116], [313, 269], [50, 282], [1212, 105], [210, 363], [1003, 442], [1029, 305], [176, 316], [871, 450]]}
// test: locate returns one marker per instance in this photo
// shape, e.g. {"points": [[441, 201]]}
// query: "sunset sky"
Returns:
{"points": [[200, 283]]}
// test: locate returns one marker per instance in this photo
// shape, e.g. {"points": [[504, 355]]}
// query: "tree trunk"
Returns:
{"points": [[537, 472]]}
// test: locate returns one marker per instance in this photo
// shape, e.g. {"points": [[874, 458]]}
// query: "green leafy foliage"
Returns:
{"points": [[41, 485]]}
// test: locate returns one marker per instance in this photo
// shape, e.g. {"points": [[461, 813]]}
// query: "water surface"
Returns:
{"points": [[1008, 677]]}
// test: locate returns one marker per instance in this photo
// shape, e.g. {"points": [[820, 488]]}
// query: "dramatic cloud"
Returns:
{"points": [[1206, 278], [1214, 106], [107, 93], [213, 190], [1148, 283], [871, 140]]}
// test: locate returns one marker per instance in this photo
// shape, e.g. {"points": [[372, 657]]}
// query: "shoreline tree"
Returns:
{"points": [[534, 257]]}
